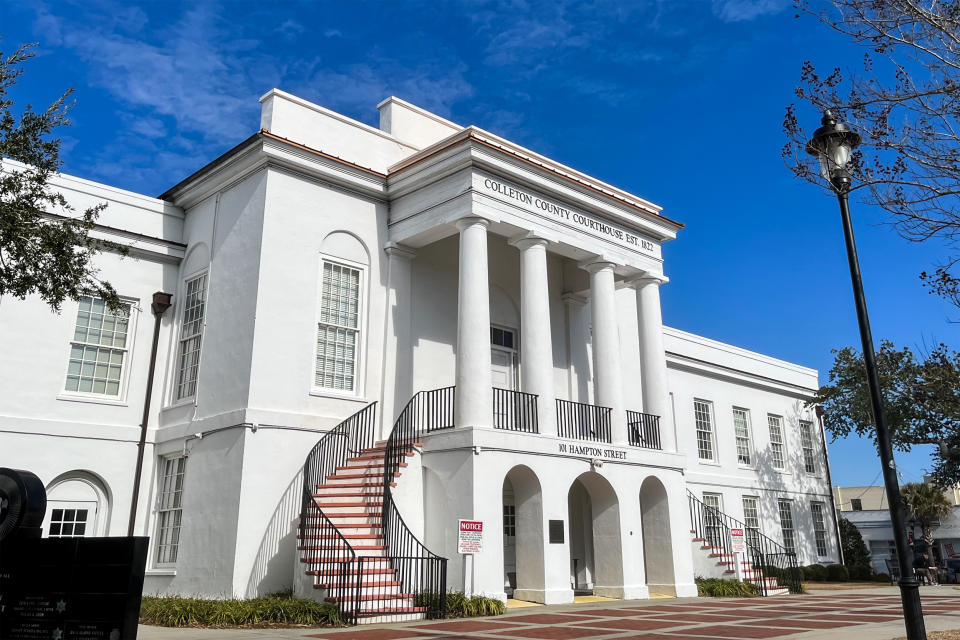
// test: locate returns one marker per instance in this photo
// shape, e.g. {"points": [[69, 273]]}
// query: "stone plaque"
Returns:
{"points": [[71, 588], [556, 531]]}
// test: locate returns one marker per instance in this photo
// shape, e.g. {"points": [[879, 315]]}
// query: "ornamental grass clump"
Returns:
{"points": [[269, 611], [720, 588]]}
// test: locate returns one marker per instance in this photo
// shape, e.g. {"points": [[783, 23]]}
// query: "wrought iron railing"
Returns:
{"points": [[766, 560], [326, 553], [515, 411], [421, 573], [580, 421], [643, 430]]}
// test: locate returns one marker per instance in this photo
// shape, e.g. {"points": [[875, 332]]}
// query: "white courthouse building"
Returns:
{"points": [[500, 309]]}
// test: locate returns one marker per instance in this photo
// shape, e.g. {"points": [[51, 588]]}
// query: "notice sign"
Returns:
{"points": [[737, 541], [471, 536]]}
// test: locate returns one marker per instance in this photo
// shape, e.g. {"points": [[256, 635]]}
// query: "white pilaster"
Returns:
{"points": [[536, 343], [474, 394], [653, 359], [607, 382], [397, 345]]}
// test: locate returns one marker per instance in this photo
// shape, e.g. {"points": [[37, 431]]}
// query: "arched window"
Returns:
{"points": [[77, 506]]}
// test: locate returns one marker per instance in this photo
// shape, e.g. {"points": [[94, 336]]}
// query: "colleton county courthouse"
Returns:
{"points": [[322, 265]]}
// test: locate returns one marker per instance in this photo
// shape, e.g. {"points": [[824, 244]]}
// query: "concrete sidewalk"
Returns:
{"points": [[860, 614]]}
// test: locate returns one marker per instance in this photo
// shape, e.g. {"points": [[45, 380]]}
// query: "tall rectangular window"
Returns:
{"points": [[712, 519], [338, 331], [819, 528], [98, 351], [169, 508], [775, 423], [786, 525], [741, 429], [751, 518], [191, 333], [806, 441], [702, 414]]}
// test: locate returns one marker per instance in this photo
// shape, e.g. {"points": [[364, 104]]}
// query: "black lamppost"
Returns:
{"points": [[833, 143]]}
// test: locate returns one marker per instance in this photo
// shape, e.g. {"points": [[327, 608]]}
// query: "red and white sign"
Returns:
{"points": [[471, 536], [737, 541]]}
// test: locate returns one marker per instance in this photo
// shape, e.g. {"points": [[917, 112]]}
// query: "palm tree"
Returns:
{"points": [[927, 503]]}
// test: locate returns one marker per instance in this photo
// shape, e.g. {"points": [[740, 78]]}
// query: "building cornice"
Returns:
{"points": [[532, 159], [263, 149]]}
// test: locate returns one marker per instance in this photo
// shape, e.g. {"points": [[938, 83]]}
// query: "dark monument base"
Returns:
{"points": [[71, 588]]}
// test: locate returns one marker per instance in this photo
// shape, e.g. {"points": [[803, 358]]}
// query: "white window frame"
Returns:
{"points": [[172, 508], [362, 337], [181, 338], [711, 416], [809, 453], [92, 396], [784, 530], [749, 436], [819, 532], [773, 444], [746, 519]]}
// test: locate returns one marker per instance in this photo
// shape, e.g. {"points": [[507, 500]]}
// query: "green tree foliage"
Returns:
{"points": [[856, 556], [45, 245], [905, 100], [926, 503], [921, 397]]}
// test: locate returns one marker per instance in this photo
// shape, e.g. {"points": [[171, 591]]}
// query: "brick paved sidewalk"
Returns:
{"points": [[781, 617]]}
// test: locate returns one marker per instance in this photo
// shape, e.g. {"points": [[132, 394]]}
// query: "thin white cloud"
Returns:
{"points": [[744, 10]]}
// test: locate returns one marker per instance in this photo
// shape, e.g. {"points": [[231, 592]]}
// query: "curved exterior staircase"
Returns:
{"points": [[351, 538]]}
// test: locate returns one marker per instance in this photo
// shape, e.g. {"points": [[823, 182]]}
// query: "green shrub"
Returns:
{"points": [[279, 609], [837, 573], [881, 577], [720, 588], [460, 606], [815, 572], [860, 573]]}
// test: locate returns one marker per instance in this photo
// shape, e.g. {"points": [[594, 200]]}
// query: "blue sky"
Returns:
{"points": [[678, 101]]}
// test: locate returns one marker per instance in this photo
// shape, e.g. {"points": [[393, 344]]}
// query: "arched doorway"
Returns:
{"points": [[657, 544], [523, 571], [594, 528], [77, 506]]}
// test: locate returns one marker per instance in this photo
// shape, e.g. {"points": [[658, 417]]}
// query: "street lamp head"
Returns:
{"points": [[833, 143]]}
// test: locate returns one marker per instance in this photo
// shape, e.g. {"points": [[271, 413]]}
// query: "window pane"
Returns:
{"points": [[702, 418], [742, 432], [99, 338], [337, 331], [190, 336], [775, 424]]}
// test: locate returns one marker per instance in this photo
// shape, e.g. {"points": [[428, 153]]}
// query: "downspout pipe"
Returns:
{"points": [[161, 302]]}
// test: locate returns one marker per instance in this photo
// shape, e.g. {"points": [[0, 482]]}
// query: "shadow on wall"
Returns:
{"points": [[271, 568], [794, 483]]}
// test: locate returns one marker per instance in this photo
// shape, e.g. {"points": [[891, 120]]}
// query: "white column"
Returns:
{"points": [[653, 359], [608, 374], [536, 342], [397, 346], [474, 394]]}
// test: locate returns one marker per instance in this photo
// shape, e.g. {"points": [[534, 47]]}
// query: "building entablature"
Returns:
{"points": [[514, 444]]}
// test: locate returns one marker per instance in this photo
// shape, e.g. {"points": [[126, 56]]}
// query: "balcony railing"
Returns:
{"points": [[580, 421], [514, 411], [643, 430]]}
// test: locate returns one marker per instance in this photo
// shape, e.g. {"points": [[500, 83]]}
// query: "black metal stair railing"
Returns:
{"points": [[327, 554], [515, 411], [580, 421], [767, 560], [643, 430], [421, 573]]}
